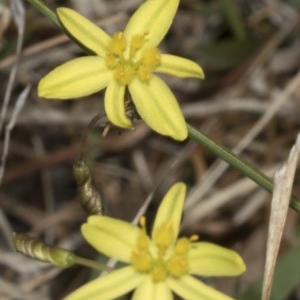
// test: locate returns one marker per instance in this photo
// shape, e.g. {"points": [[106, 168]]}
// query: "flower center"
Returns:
{"points": [[131, 58], [161, 257]]}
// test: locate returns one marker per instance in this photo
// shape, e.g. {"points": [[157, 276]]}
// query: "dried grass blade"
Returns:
{"points": [[283, 182]]}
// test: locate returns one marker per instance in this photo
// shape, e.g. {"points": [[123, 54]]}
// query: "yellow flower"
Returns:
{"points": [[125, 60], [157, 264]]}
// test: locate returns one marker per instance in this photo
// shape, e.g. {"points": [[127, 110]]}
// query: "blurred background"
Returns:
{"points": [[249, 101]]}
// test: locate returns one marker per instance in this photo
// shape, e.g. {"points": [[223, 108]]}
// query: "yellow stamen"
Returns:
{"points": [[141, 260], [142, 221], [118, 44], [128, 59], [164, 235], [194, 238]]}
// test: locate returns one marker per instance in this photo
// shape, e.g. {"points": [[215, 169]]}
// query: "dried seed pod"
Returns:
{"points": [[40, 251], [89, 197]]}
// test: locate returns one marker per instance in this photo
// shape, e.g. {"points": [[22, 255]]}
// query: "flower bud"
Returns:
{"points": [[40, 251]]}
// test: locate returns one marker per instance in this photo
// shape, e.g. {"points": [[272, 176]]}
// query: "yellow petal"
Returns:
{"points": [[83, 31], [171, 208], [114, 104], [179, 66], [112, 237], [190, 288], [108, 287], [158, 107], [149, 290], [153, 16], [77, 78], [207, 259]]}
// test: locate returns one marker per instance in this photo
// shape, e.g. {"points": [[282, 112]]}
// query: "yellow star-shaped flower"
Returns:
{"points": [[159, 264], [127, 59]]}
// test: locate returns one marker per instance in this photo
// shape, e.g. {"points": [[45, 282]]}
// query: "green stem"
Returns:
{"points": [[39, 5], [91, 264], [233, 19], [233, 160]]}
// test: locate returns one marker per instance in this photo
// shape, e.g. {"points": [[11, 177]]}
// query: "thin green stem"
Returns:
{"points": [[40, 6], [91, 264], [233, 19], [233, 160]]}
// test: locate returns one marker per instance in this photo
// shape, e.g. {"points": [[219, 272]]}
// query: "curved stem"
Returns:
{"points": [[39, 5], [233, 160]]}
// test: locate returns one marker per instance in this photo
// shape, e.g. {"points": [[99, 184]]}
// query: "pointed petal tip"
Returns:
{"points": [[76, 78], [199, 72], [238, 264], [202, 74], [158, 107], [208, 259], [180, 185], [61, 9], [82, 31], [155, 17], [180, 135], [112, 237], [170, 209], [180, 67], [241, 264], [43, 90], [114, 104], [178, 132]]}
